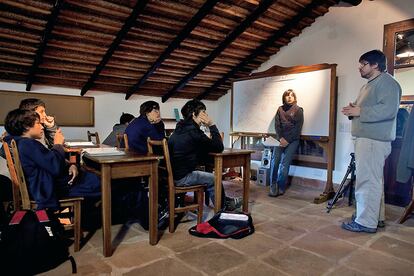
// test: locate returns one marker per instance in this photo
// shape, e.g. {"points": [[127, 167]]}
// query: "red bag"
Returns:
{"points": [[225, 225]]}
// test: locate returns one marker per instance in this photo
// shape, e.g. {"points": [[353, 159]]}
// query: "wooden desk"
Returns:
{"points": [[120, 166], [230, 158]]}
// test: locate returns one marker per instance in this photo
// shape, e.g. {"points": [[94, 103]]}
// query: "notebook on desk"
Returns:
{"points": [[103, 151], [80, 144]]}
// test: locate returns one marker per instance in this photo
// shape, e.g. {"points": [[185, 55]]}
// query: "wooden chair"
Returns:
{"points": [[126, 141], [93, 135], [408, 210], [21, 195], [120, 141], [167, 175]]}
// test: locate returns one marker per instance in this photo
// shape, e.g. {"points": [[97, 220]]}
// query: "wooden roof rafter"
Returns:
{"points": [[194, 21], [138, 9], [260, 50], [43, 42], [247, 22]]}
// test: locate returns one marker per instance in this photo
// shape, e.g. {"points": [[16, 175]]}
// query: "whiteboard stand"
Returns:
{"points": [[255, 99]]}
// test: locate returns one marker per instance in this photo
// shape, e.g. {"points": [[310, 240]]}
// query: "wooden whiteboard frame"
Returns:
{"points": [[62, 107], [327, 142]]}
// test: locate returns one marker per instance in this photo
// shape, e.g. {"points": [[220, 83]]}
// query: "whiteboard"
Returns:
{"points": [[255, 101]]}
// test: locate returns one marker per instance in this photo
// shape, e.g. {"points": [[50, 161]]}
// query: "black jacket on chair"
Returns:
{"points": [[189, 147]]}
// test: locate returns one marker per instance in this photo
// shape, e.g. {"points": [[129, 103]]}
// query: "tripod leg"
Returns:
{"points": [[342, 188]]}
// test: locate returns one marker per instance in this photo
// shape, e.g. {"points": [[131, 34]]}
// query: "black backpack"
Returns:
{"points": [[225, 225], [32, 243]]}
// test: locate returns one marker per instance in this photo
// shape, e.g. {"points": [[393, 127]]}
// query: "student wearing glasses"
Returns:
{"points": [[147, 125]]}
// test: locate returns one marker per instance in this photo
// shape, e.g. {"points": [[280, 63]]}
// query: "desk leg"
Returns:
{"points": [[106, 209], [153, 204], [218, 169], [246, 183]]}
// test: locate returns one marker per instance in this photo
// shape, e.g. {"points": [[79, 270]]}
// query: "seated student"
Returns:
{"points": [[124, 120], [148, 124], [189, 147], [47, 174], [49, 125]]}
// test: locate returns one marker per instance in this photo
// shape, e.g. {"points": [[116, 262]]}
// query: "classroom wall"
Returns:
{"points": [[108, 108], [340, 37]]}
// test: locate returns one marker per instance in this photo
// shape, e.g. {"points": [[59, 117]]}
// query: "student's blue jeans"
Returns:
{"points": [[198, 178], [279, 168]]}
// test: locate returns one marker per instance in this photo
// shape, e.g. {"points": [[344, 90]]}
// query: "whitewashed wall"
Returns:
{"points": [[340, 37], [108, 107]]}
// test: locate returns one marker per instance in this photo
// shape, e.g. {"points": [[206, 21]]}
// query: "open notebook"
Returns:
{"points": [[103, 151]]}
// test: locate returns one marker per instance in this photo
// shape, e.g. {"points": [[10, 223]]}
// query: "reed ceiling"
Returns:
{"points": [[160, 48]]}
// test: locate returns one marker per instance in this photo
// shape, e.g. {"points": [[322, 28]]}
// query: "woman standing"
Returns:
{"points": [[288, 125]]}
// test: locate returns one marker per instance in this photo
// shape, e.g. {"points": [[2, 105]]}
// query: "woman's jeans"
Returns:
{"points": [[279, 169]]}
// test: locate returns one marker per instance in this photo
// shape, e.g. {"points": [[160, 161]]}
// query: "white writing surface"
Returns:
{"points": [[255, 101]]}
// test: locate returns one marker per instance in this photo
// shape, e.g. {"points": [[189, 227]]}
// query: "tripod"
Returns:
{"points": [[345, 187]]}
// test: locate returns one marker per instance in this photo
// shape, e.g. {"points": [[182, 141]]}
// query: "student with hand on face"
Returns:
{"points": [[147, 125], [47, 174], [49, 125], [189, 147]]}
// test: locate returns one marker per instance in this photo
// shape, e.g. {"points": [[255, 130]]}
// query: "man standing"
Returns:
{"points": [[373, 116]]}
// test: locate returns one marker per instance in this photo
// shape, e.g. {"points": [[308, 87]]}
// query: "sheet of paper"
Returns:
{"points": [[103, 151], [79, 144], [270, 142]]}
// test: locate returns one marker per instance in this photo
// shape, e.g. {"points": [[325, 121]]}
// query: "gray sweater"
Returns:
{"points": [[379, 100]]}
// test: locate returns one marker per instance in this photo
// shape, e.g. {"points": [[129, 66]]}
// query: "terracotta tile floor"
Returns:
{"points": [[293, 237]]}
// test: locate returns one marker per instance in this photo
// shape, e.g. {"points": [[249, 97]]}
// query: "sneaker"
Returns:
{"points": [[381, 223], [232, 204], [279, 193], [356, 227]]}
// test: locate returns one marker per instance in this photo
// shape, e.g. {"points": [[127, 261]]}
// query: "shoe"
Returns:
{"points": [[356, 227], [381, 223], [232, 204], [276, 194]]}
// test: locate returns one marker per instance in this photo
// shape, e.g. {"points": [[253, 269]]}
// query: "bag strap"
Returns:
{"points": [[73, 263]]}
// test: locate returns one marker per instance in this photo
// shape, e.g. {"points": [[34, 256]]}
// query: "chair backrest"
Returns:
{"points": [[166, 167], [16, 173], [95, 135], [126, 143], [122, 141]]}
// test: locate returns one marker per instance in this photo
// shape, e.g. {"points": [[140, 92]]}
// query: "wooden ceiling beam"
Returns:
{"points": [[138, 9], [268, 43], [247, 22], [43, 42], [189, 27]]}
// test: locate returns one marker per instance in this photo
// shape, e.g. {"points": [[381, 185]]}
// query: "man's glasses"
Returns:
{"points": [[362, 65]]}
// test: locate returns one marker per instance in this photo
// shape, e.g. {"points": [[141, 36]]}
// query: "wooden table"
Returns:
{"points": [[120, 166], [230, 158]]}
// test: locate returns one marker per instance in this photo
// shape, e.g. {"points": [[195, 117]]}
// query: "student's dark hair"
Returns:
{"points": [[375, 57], [126, 118], [18, 121], [286, 93], [147, 107], [31, 104], [192, 106]]}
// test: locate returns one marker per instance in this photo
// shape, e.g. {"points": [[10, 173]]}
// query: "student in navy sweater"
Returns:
{"points": [[148, 124], [47, 174]]}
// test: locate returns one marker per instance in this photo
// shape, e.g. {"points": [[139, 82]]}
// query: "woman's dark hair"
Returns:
{"points": [[286, 93], [18, 121], [192, 106], [147, 107], [31, 104], [126, 118], [375, 57]]}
